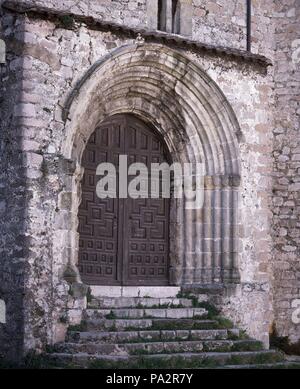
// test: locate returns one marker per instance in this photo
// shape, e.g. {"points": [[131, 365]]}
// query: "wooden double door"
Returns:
{"points": [[123, 241]]}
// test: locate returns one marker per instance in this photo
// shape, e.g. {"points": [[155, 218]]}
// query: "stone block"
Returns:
{"points": [[25, 110], [78, 290]]}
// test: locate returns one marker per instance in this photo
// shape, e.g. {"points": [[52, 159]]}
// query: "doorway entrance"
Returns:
{"points": [[123, 241]]}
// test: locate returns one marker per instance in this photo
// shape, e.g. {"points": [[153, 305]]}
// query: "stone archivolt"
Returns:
{"points": [[168, 91]]}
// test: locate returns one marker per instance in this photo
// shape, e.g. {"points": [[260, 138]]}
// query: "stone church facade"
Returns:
{"points": [[179, 75]]}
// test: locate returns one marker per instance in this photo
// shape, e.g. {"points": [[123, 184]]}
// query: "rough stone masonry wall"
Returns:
{"points": [[53, 59], [221, 22], [249, 304], [125, 12], [13, 196], [286, 200], [56, 58], [43, 61]]}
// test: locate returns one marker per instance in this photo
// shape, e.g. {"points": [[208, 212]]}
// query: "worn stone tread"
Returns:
{"points": [[276, 365], [134, 302], [219, 358], [144, 323], [174, 346], [135, 313], [118, 336]]}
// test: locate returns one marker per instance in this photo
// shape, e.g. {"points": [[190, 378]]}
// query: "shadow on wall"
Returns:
{"points": [[283, 343]]}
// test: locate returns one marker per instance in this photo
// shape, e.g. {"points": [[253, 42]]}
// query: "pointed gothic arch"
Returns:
{"points": [[165, 89]]}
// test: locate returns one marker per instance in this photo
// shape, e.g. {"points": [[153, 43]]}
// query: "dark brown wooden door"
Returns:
{"points": [[122, 241]]}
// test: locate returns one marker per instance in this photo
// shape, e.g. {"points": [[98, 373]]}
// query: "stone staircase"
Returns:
{"points": [[158, 333]]}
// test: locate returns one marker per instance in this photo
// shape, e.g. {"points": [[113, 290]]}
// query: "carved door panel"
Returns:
{"points": [[99, 219], [122, 241], [147, 237]]}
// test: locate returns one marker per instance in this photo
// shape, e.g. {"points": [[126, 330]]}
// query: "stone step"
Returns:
{"points": [[139, 302], [135, 291], [154, 324], [180, 360], [133, 313], [277, 365], [159, 347], [151, 336]]}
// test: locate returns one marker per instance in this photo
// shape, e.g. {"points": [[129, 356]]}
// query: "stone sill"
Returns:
{"points": [[135, 291], [30, 8]]}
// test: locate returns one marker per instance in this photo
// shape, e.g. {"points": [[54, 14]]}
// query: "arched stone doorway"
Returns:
{"points": [[122, 240], [170, 93]]}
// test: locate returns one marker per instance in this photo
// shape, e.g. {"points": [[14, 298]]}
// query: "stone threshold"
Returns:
{"points": [[44, 12], [135, 291]]}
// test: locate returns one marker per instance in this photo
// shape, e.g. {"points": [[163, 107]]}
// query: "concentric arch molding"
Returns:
{"points": [[165, 89]]}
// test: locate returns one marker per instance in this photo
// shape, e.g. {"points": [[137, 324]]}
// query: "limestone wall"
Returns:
{"points": [[286, 200], [250, 93], [224, 23], [219, 22], [55, 60], [13, 199], [45, 61]]}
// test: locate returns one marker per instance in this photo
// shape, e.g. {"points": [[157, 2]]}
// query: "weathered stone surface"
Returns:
{"points": [[174, 313], [184, 343], [187, 360], [286, 142], [40, 163]]}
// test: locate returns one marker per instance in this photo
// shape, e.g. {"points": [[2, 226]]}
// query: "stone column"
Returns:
{"points": [[217, 230]]}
